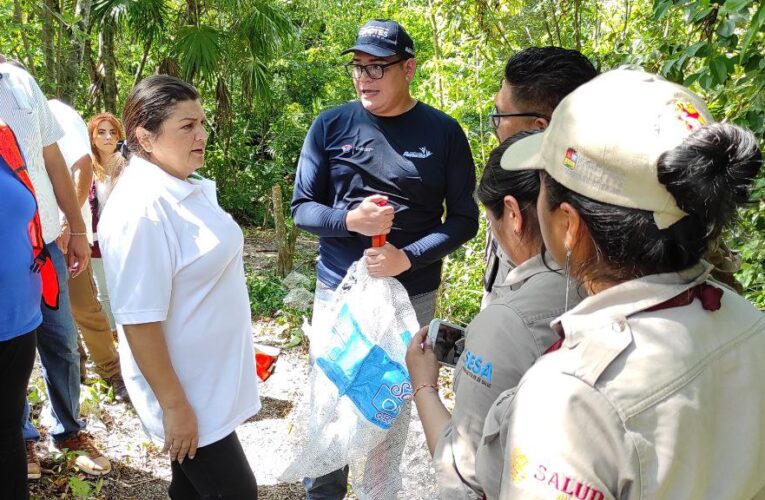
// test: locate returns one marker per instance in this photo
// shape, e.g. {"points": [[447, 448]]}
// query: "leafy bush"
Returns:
{"points": [[747, 239], [266, 292], [461, 285]]}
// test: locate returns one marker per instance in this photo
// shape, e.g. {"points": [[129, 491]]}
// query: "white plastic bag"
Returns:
{"points": [[356, 409]]}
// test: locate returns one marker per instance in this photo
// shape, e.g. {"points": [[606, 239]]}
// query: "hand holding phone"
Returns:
{"points": [[448, 341]]}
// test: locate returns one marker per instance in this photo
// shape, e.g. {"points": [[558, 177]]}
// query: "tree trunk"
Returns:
{"points": [[139, 72], [47, 35], [554, 16], [285, 243], [95, 90], [109, 66], [71, 67], [18, 19], [436, 54], [578, 24], [627, 12], [192, 12]]}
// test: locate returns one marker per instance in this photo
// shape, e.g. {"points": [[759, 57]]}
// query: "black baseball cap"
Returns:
{"points": [[383, 38]]}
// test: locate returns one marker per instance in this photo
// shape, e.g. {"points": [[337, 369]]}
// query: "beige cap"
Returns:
{"points": [[605, 138]]}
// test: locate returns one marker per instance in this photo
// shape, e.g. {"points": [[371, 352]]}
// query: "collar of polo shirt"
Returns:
{"points": [[175, 187]]}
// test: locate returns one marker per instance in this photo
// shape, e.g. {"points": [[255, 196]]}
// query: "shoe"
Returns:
{"points": [[34, 471], [118, 388], [89, 460]]}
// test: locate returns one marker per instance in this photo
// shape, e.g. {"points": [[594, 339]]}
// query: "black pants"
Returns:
{"points": [[17, 356], [218, 470]]}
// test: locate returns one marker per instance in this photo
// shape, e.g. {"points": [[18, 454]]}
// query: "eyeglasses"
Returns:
{"points": [[373, 71], [496, 116]]}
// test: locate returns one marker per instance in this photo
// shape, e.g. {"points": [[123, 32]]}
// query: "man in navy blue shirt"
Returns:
{"points": [[385, 146]]}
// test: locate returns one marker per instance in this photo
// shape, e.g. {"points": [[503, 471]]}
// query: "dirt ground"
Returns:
{"points": [[140, 472]]}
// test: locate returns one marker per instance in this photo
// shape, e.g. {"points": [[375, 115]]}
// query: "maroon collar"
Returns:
{"points": [[709, 295]]}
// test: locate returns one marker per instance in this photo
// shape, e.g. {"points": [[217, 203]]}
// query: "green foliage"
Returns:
{"points": [[266, 68], [462, 288], [199, 51], [36, 394], [748, 239], [266, 292], [93, 396], [84, 488]]}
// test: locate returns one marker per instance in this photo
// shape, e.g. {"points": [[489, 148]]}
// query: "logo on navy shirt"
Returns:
{"points": [[348, 148], [422, 153]]}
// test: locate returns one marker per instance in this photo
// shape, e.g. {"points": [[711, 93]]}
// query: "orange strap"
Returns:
{"points": [[9, 150]]}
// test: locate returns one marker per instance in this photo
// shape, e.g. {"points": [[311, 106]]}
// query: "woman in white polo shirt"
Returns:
{"points": [[173, 261], [657, 390]]}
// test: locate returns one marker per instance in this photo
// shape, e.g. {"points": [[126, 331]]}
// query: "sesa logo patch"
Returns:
{"points": [[347, 148], [477, 368]]}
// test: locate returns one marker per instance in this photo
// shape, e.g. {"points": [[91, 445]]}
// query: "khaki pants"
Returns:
{"points": [[93, 324]]}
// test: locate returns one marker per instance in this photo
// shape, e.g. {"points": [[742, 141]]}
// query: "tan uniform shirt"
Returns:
{"points": [[502, 342], [637, 404]]}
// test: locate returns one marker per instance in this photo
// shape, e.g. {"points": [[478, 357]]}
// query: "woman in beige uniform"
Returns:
{"points": [[502, 341], [657, 390]]}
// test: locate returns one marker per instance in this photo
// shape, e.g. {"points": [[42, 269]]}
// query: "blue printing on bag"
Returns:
{"points": [[365, 373]]}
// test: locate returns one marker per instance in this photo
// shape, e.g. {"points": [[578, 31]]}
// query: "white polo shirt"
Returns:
{"points": [[24, 108], [172, 255], [637, 404], [73, 145]]}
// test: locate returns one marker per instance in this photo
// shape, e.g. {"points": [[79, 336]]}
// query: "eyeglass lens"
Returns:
{"points": [[356, 71]]}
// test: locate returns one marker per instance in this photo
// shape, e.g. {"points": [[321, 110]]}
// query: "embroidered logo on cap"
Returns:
{"points": [[374, 31], [690, 116], [570, 159]]}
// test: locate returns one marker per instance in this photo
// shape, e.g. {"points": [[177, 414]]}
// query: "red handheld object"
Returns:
{"points": [[379, 240]]}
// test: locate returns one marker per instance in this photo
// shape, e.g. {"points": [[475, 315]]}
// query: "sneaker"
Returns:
{"points": [[34, 471], [89, 460], [118, 388]]}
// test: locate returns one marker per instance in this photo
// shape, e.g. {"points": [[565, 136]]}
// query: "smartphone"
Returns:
{"points": [[448, 341]]}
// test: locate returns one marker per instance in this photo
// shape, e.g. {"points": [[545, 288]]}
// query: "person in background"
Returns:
{"points": [[535, 81], [383, 164], [502, 341], [86, 309], [20, 314], [25, 109], [174, 268], [104, 131], [656, 390]]}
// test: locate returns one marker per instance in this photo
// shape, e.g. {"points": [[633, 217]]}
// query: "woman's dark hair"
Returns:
{"points": [[150, 103], [708, 174], [523, 185]]}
